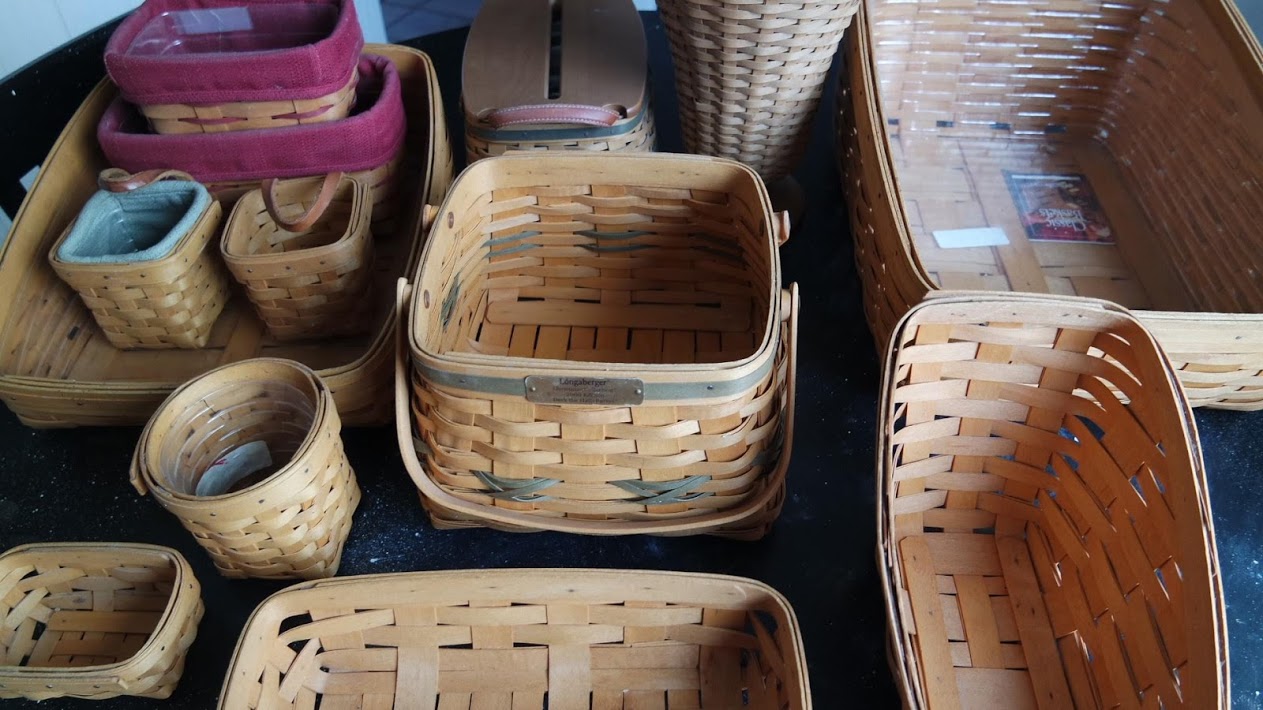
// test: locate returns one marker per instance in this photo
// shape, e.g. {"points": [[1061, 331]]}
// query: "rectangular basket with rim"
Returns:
{"points": [[95, 620], [523, 638], [57, 369], [601, 346], [1079, 147], [1044, 532]]}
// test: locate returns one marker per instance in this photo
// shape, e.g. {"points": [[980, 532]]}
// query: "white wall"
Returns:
{"points": [[31, 28]]}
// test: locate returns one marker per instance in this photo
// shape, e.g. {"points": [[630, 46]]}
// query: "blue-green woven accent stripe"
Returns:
{"points": [[520, 135]]}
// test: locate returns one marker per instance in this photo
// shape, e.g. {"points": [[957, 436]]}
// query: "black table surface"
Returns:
{"points": [[71, 485]]}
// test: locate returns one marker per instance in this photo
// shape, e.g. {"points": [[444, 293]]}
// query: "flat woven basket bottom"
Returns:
{"points": [[85, 608], [1092, 182], [641, 136], [50, 339], [1044, 549], [522, 639]]}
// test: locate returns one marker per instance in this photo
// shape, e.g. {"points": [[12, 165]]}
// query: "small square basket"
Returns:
{"points": [[524, 638], [95, 620], [1045, 536]]}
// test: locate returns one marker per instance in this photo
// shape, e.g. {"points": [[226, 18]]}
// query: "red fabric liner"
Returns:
{"points": [[305, 72], [365, 140]]}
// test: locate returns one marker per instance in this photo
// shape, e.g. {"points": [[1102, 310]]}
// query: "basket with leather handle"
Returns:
{"points": [[209, 66], [1045, 535], [139, 257], [1065, 159], [249, 457], [522, 638], [556, 75], [601, 346], [304, 252], [95, 620]]}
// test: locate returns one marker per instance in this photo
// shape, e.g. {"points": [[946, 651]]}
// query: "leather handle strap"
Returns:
{"points": [[304, 221], [578, 114], [119, 180]]}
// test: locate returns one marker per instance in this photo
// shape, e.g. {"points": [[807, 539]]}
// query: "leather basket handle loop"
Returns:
{"points": [[578, 114], [304, 221], [119, 180]]}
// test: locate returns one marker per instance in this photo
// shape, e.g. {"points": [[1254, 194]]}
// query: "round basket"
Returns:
{"points": [[750, 73], [304, 252], [267, 431]]}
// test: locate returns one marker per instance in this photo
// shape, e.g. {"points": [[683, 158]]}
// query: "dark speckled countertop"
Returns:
{"points": [[72, 484]]}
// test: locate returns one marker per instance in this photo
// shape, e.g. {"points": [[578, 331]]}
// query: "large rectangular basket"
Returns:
{"points": [[95, 620], [1045, 537], [57, 369], [601, 346], [1108, 150], [562, 639]]}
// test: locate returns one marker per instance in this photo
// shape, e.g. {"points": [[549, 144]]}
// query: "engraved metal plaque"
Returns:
{"points": [[546, 389]]}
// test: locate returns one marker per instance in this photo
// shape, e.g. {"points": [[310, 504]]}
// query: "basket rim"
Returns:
{"points": [[143, 459], [699, 523], [887, 555], [1241, 44], [356, 227], [166, 623], [213, 211], [483, 366], [547, 575]]}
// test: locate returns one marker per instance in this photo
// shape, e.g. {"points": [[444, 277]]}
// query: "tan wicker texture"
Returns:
{"points": [[1078, 113], [56, 369], [308, 280], [1043, 542], [636, 135], [251, 115], [750, 73], [602, 346], [288, 521], [522, 638], [95, 620], [172, 302]]}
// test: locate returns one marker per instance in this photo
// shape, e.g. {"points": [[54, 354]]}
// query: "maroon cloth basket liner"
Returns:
{"points": [[308, 71], [369, 138]]}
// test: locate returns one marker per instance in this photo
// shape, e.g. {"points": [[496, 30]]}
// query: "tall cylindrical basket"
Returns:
{"points": [[750, 73]]}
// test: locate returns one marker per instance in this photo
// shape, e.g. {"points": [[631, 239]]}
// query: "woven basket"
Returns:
{"points": [[750, 73], [303, 250], [601, 346], [169, 302], [522, 638], [1043, 541], [1066, 115], [210, 66], [95, 620], [290, 518], [57, 370], [538, 75]]}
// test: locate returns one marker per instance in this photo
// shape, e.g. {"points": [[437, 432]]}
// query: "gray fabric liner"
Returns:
{"points": [[136, 226]]}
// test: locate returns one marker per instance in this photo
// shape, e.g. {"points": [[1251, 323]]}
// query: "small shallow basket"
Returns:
{"points": [[167, 302], [750, 74], [95, 620], [601, 346], [304, 252], [538, 75], [292, 523], [526, 638], [1043, 543], [1108, 150], [209, 66]]}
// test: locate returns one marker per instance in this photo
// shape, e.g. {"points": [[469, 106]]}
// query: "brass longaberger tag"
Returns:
{"points": [[545, 389]]}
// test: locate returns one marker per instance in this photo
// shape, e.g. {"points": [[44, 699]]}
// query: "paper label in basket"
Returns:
{"points": [[546, 389], [975, 237], [233, 466], [1059, 208]]}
